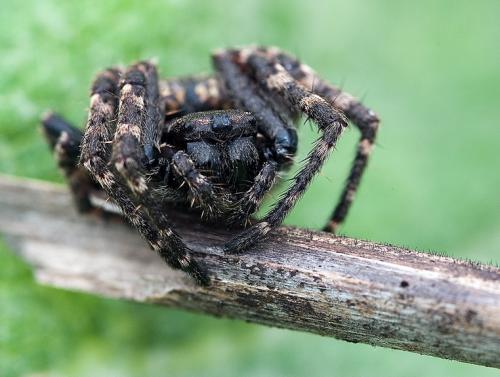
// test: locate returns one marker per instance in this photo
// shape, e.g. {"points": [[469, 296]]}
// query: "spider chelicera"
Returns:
{"points": [[214, 143]]}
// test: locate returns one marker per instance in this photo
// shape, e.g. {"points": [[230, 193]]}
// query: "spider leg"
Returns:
{"points": [[95, 154], [362, 117], [274, 78], [64, 140], [135, 137], [246, 95], [368, 123]]}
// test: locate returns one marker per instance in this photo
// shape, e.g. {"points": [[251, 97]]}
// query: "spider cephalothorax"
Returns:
{"points": [[213, 143]]}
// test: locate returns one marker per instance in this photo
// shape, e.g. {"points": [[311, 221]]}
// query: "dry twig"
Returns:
{"points": [[309, 281]]}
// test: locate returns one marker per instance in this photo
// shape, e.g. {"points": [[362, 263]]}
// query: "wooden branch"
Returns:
{"points": [[302, 280]]}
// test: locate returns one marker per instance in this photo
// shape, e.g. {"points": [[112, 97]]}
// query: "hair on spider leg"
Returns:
{"points": [[314, 80]]}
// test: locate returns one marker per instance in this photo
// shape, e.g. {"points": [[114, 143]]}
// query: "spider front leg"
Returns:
{"points": [[274, 78], [96, 152]]}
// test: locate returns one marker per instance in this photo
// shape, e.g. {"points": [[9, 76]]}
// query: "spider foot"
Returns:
{"points": [[247, 238], [191, 267]]}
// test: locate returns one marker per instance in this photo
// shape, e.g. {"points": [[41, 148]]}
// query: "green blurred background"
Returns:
{"points": [[429, 68]]}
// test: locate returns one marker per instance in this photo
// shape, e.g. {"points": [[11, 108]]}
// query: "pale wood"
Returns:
{"points": [[302, 280]]}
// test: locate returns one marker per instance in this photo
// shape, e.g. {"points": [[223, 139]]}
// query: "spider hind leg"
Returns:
{"points": [[64, 140]]}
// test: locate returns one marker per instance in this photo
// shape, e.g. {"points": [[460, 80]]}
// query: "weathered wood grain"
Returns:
{"points": [[309, 281]]}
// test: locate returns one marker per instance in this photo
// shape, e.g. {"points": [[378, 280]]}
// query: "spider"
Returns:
{"points": [[215, 143]]}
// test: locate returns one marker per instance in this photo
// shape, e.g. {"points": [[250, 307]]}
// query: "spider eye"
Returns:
{"points": [[221, 122], [189, 126]]}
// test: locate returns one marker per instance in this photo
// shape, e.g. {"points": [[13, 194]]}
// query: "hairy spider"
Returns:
{"points": [[214, 143]]}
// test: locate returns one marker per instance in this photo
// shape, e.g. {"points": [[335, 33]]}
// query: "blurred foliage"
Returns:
{"points": [[430, 69]]}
